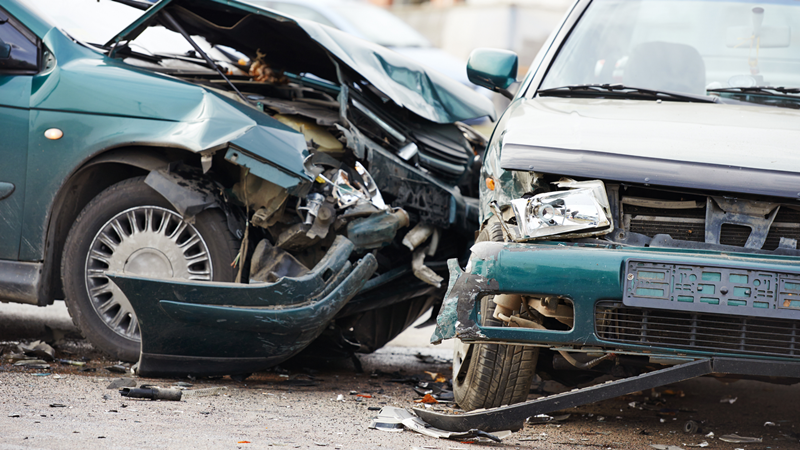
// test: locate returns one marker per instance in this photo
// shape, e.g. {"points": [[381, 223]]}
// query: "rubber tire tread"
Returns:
{"points": [[211, 224], [498, 374]]}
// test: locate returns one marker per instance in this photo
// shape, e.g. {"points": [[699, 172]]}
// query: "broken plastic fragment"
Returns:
{"points": [[392, 415], [736, 439], [428, 398]]}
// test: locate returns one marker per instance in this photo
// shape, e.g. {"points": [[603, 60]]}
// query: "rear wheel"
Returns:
{"points": [[130, 228], [491, 375]]}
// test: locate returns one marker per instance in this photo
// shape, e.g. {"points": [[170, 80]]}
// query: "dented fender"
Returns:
{"points": [[207, 328]]}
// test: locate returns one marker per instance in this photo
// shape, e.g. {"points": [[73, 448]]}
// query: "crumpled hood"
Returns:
{"points": [[744, 136], [300, 46]]}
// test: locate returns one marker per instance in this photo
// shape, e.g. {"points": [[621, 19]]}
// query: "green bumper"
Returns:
{"points": [[206, 328], [587, 275]]}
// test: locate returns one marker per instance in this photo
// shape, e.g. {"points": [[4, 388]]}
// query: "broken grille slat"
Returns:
{"points": [[695, 331]]}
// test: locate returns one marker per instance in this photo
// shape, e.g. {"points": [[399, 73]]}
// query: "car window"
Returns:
{"points": [[18, 47], [682, 45], [299, 11]]}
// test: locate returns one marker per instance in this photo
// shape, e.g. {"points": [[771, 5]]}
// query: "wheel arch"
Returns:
{"points": [[86, 182]]}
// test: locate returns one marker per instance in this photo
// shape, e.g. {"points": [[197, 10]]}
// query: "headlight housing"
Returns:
{"points": [[581, 211]]}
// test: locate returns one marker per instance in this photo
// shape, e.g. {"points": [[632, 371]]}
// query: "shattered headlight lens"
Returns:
{"points": [[581, 211]]}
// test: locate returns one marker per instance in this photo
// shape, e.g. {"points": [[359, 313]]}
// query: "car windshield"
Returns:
{"points": [[683, 46], [380, 26]]}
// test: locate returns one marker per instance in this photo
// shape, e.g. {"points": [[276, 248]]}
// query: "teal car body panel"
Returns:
{"points": [[193, 327], [138, 119], [722, 158]]}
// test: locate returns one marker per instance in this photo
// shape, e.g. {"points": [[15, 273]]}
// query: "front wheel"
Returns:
{"points": [[491, 375], [130, 228]]}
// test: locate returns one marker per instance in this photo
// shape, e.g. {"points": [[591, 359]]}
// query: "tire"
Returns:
{"points": [[491, 375], [161, 244]]}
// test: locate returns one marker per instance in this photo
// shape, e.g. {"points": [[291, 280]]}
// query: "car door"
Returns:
{"points": [[19, 61]]}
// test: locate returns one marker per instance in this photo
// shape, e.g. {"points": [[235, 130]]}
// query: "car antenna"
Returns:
{"points": [[174, 23]]}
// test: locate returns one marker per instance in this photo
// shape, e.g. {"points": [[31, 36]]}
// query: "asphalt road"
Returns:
{"points": [[273, 409]]}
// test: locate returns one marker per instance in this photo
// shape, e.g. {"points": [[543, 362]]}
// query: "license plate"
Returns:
{"points": [[712, 289]]}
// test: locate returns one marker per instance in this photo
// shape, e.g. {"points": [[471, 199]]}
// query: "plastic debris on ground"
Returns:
{"points": [[205, 392], [395, 419], [122, 383], [736, 439], [38, 349], [439, 390], [544, 418], [118, 368], [701, 445], [152, 393], [769, 424], [730, 400], [37, 364], [665, 447]]}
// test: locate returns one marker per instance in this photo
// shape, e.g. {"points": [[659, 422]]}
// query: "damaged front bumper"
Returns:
{"points": [[208, 328], [633, 300]]}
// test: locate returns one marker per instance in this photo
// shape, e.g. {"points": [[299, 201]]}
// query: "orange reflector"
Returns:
{"points": [[53, 134], [490, 183]]}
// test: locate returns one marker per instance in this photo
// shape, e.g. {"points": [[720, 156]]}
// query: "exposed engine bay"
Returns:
{"points": [[396, 183]]}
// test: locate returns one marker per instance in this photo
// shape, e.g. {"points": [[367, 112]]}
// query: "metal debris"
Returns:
{"points": [[122, 383], [544, 418], [152, 393], [207, 392], [39, 349], [736, 439], [391, 418]]}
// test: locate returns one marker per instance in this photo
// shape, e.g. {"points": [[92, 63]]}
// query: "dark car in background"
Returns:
{"points": [[214, 208]]}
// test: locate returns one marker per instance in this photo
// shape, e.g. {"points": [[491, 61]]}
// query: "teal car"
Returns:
{"points": [[217, 185], [639, 201]]}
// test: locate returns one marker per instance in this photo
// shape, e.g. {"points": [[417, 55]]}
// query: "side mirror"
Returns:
{"points": [[493, 69]]}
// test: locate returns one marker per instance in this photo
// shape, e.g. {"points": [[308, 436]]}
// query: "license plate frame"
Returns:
{"points": [[714, 289]]}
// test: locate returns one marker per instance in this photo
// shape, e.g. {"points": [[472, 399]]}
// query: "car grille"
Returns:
{"points": [[689, 225], [695, 331]]}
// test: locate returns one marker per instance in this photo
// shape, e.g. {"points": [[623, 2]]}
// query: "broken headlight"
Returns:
{"points": [[580, 211]]}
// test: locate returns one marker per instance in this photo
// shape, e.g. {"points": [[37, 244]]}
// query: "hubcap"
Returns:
{"points": [[146, 240]]}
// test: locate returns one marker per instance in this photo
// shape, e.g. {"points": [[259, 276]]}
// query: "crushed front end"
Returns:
{"points": [[617, 277]]}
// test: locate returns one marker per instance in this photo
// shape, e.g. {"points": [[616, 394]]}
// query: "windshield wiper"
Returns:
{"points": [[778, 91], [622, 91]]}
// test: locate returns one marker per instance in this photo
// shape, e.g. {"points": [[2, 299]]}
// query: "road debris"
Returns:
{"points": [[736, 439], [729, 399], [206, 392], [152, 393], [118, 368], [544, 418], [665, 447], [769, 424], [691, 427], [38, 349], [37, 364], [122, 383], [700, 445], [394, 419], [70, 362]]}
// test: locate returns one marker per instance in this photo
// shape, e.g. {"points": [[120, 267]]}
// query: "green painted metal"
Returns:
{"points": [[102, 103], [14, 112], [582, 273], [228, 328], [492, 68]]}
